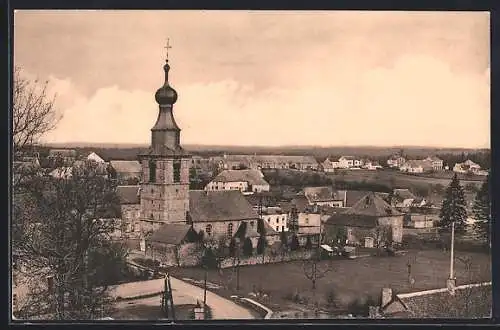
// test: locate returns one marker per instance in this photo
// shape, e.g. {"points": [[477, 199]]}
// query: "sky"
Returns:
{"points": [[325, 78]]}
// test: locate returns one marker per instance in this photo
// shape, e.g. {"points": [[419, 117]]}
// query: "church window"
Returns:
{"points": [[208, 229], [230, 230], [177, 171], [152, 171]]}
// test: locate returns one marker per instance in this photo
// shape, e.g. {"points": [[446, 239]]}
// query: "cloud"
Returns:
{"points": [[418, 101]]}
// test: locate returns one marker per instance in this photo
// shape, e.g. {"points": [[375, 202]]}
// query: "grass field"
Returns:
{"points": [[349, 279]]}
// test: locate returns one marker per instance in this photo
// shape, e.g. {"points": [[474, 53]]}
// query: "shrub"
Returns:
{"points": [[308, 245], [247, 247], [294, 244], [261, 244]]}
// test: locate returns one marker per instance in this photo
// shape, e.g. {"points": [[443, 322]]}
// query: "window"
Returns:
{"points": [[177, 171], [251, 223], [282, 228], [208, 229], [277, 228], [152, 171], [230, 230], [307, 221]]}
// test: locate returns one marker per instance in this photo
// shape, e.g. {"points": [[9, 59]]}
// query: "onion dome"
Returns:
{"points": [[166, 95]]}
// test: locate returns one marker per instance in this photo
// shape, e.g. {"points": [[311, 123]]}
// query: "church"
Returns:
{"points": [[163, 196]]}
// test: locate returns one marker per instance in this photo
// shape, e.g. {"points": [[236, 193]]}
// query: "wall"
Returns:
{"points": [[131, 224], [267, 258], [396, 223], [219, 228], [309, 219], [185, 255]]}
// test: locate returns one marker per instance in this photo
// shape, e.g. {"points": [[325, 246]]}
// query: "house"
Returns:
{"points": [[414, 220], [220, 213], [396, 161], [437, 163], [371, 165], [469, 301], [466, 167], [92, 156], [349, 161], [126, 171], [130, 207], [322, 196], [329, 166], [246, 181], [67, 156], [276, 217], [370, 219], [353, 196], [258, 162], [417, 166]]}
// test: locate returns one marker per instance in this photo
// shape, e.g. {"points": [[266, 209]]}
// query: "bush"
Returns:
{"points": [[331, 298], [247, 247], [261, 245], [294, 244]]}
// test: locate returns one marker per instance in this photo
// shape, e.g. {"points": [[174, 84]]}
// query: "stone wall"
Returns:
{"points": [[267, 258], [186, 255]]}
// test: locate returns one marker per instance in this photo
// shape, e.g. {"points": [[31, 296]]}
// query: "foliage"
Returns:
{"points": [[308, 245], [247, 247], [209, 259], [261, 244], [232, 247], [383, 236], [482, 211], [64, 234], [454, 208], [284, 238], [294, 244]]}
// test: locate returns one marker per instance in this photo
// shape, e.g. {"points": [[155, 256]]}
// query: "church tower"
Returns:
{"points": [[165, 167]]}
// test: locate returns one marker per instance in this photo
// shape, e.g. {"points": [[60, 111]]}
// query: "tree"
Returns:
{"points": [[66, 235], [232, 247], [284, 238], [482, 211], [294, 244], [454, 207], [308, 245], [261, 244], [247, 247], [33, 111]]}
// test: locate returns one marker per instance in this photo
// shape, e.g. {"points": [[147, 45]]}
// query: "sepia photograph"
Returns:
{"points": [[177, 165]]}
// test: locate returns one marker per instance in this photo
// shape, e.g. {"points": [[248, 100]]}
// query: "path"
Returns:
{"points": [[184, 293]]}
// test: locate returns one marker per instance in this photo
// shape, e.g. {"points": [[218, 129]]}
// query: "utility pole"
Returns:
{"points": [[451, 282]]}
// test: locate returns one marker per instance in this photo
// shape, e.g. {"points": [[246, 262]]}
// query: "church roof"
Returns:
{"points": [[162, 150], [172, 234], [372, 205], [253, 177], [126, 166], [223, 205]]}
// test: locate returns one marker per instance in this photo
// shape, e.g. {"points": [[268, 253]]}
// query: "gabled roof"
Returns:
{"points": [[246, 230], [126, 166], [372, 205], [469, 301], [403, 194], [128, 194], [253, 177], [434, 159], [171, 234], [300, 202], [222, 205], [348, 157], [353, 196], [341, 219]]}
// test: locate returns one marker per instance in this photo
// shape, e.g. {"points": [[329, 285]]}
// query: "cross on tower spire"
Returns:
{"points": [[167, 47]]}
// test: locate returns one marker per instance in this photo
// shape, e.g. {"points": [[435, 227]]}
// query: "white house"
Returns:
{"points": [[246, 181], [466, 167], [329, 166], [437, 163], [396, 161], [95, 157], [349, 161], [276, 218], [369, 165], [417, 166]]}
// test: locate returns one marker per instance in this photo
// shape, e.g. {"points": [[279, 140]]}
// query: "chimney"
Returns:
{"points": [[386, 297]]}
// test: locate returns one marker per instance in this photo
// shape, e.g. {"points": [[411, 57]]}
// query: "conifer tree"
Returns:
{"points": [[482, 211], [247, 247], [261, 244], [454, 207], [294, 244]]}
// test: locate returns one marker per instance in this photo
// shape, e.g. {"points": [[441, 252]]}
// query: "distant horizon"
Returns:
{"points": [[287, 146]]}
